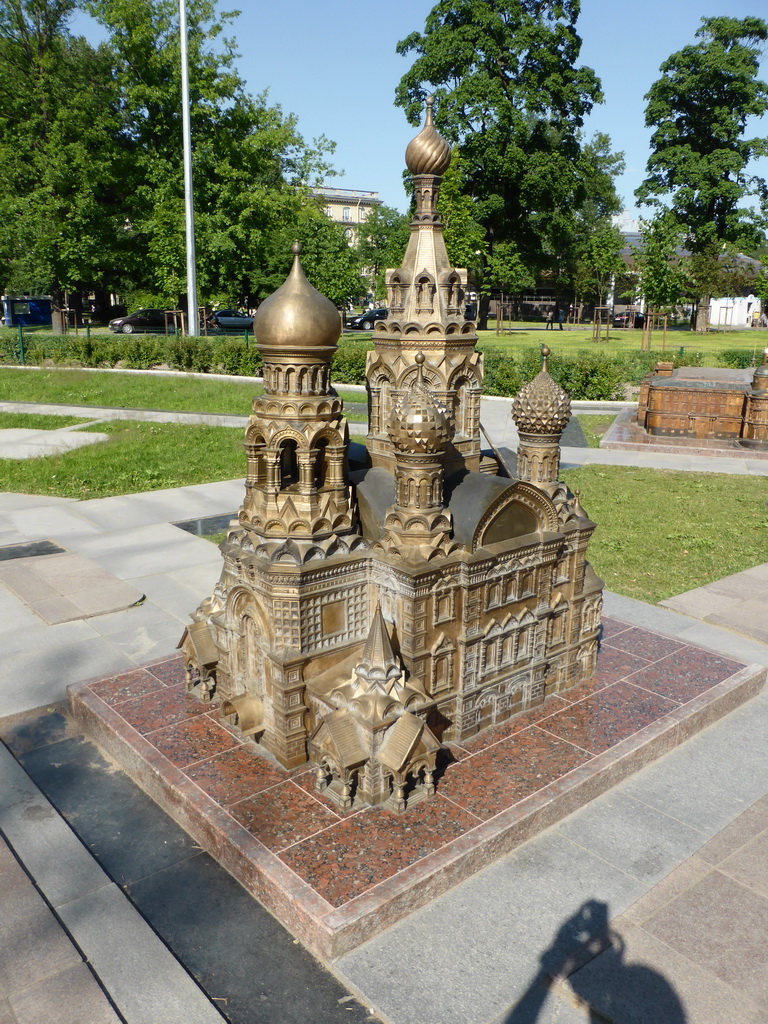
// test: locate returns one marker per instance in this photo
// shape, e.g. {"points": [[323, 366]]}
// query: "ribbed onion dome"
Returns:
{"points": [[297, 316], [418, 423], [541, 407], [428, 153]]}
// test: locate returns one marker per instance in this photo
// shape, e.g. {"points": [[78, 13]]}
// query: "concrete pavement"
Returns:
{"points": [[674, 860]]}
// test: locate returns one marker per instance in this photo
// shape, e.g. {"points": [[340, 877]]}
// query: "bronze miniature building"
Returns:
{"points": [[372, 608], [702, 403]]}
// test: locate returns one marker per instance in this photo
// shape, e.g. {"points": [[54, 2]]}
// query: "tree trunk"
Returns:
{"points": [[702, 314], [483, 306]]}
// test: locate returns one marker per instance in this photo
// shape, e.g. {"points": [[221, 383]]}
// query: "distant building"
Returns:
{"points": [[348, 207]]}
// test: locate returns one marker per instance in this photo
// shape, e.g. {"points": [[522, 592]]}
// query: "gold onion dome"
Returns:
{"points": [[417, 422], [428, 153], [296, 316], [541, 407]]}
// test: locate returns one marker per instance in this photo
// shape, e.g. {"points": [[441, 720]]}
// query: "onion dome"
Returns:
{"points": [[428, 153], [418, 423], [541, 407], [297, 316]]}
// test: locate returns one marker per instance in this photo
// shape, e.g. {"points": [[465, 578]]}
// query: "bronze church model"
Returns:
{"points": [[374, 605]]}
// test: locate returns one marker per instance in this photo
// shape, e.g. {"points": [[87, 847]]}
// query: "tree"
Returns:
{"points": [[700, 109], [252, 170], [600, 261], [60, 168], [381, 243], [510, 94], [659, 262]]}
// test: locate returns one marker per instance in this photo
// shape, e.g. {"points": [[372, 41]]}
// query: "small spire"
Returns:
{"points": [[420, 359], [545, 351], [430, 104]]}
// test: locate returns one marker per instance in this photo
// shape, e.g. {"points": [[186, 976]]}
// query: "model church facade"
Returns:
{"points": [[376, 605]]}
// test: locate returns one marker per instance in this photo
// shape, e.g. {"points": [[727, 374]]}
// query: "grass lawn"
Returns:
{"points": [[137, 457], [594, 426], [661, 532], [139, 391], [522, 337], [36, 421]]}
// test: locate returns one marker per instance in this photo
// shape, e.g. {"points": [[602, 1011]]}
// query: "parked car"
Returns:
{"points": [[628, 319], [226, 318], [143, 320], [365, 321]]}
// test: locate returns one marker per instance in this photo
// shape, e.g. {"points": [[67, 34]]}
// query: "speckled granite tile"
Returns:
{"points": [[491, 780], [128, 686], [685, 674], [283, 815], [346, 860], [235, 774], [164, 707], [605, 718], [194, 740]]}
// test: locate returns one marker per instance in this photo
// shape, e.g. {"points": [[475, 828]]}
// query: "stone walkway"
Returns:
{"points": [[665, 878]]}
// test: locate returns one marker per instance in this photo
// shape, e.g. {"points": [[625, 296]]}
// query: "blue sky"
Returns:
{"points": [[334, 65]]}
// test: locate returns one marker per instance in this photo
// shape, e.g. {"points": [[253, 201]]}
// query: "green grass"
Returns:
{"points": [[662, 532], [137, 457], [524, 336], [36, 421], [594, 427], [138, 391]]}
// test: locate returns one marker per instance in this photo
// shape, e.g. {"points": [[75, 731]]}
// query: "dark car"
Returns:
{"points": [[228, 318], [143, 320], [365, 321], [628, 319]]}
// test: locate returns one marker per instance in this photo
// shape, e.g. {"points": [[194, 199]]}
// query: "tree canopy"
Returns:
{"points": [[700, 109], [512, 97], [91, 183]]}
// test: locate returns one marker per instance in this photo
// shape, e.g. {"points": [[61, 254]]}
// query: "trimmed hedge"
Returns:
{"points": [[587, 375]]}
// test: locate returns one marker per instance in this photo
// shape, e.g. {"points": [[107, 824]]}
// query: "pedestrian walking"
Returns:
{"points": [[549, 326], [560, 318]]}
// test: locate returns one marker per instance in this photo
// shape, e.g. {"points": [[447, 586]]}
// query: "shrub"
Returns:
{"points": [[189, 354], [348, 364], [140, 352], [738, 358], [237, 358]]}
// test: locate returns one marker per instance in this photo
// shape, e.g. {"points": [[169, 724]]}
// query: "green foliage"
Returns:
{"points": [[587, 376], [140, 352], [699, 110], [662, 278], [348, 364], [381, 245], [512, 97], [237, 358], [738, 358], [599, 260]]}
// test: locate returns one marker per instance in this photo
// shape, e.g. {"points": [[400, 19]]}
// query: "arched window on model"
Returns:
{"points": [[289, 463]]}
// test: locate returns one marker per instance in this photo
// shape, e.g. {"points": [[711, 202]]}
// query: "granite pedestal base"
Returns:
{"points": [[336, 879], [626, 434]]}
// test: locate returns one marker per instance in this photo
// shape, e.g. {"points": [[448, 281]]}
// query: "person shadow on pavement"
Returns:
{"points": [[617, 991]]}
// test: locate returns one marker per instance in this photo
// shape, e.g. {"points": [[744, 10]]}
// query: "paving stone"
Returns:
{"points": [[749, 865], [71, 997], [222, 935], [720, 926], [641, 980], [525, 913], [141, 975], [118, 823], [633, 836], [42, 674], [33, 947]]}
